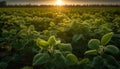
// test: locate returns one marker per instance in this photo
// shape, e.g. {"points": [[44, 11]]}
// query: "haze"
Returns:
{"points": [[68, 2]]}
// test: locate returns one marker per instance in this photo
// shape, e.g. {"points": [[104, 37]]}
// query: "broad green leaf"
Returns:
{"points": [[112, 49], [57, 53], [111, 60], [77, 37], [98, 62], [91, 52], [65, 47], [59, 59], [106, 38], [94, 44], [42, 43], [52, 40], [41, 58], [71, 59], [84, 61]]}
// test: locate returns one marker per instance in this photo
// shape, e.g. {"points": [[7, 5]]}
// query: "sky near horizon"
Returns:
{"points": [[47, 2]]}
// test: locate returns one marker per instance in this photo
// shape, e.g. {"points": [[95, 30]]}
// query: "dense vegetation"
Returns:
{"points": [[60, 38]]}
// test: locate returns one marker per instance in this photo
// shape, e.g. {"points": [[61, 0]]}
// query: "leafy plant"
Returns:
{"points": [[54, 54], [100, 51]]}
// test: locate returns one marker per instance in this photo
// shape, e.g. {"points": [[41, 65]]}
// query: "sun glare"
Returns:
{"points": [[59, 2]]}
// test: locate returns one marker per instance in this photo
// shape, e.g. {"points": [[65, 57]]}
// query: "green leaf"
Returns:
{"points": [[42, 43], [112, 49], [71, 59], [41, 58], [23, 26], [91, 52], [65, 47], [94, 44], [52, 24], [31, 28], [98, 62], [59, 59], [106, 38], [77, 37], [52, 40], [111, 60], [57, 53], [84, 61]]}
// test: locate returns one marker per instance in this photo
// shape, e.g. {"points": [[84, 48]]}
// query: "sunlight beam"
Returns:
{"points": [[59, 2]]}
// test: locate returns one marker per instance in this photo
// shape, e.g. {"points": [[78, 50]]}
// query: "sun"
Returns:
{"points": [[59, 2]]}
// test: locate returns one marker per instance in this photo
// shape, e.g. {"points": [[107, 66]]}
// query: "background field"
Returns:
{"points": [[21, 27]]}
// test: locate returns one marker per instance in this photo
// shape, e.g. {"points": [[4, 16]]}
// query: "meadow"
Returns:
{"points": [[60, 38]]}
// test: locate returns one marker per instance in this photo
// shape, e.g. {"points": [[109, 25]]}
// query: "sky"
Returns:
{"points": [[39, 2]]}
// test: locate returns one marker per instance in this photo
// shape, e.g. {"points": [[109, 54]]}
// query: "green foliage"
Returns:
{"points": [[77, 37], [71, 59], [106, 38], [52, 41], [65, 47], [52, 24], [42, 43], [97, 62], [91, 52], [59, 59], [84, 61], [96, 46], [56, 53], [102, 60], [26, 31], [93, 44], [112, 49], [41, 58]]}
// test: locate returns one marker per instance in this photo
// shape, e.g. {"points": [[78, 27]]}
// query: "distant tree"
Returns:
{"points": [[3, 3]]}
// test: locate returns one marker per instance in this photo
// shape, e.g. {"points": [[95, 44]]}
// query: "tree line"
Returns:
{"points": [[4, 4]]}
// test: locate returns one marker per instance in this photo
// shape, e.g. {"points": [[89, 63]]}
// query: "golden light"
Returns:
{"points": [[59, 2]]}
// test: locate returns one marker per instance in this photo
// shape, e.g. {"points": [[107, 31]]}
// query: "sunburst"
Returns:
{"points": [[59, 2]]}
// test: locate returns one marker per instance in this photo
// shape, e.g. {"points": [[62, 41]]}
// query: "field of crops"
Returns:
{"points": [[60, 38]]}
